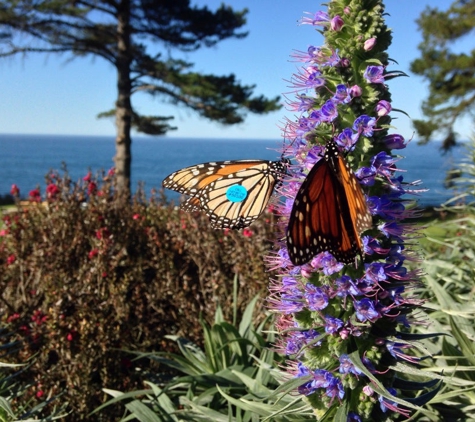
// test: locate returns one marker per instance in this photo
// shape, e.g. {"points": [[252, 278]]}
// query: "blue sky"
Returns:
{"points": [[49, 94]]}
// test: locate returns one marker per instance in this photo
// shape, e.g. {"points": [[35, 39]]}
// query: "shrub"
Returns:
{"points": [[84, 275]]}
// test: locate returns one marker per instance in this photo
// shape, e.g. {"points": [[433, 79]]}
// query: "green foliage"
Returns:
{"points": [[236, 377], [83, 276], [450, 74], [449, 289]]}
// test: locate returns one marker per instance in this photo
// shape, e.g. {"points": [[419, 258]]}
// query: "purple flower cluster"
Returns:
{"points": [[328, 311]]}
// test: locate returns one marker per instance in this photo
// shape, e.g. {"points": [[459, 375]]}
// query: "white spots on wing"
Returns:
{"points": [[308, 232]]}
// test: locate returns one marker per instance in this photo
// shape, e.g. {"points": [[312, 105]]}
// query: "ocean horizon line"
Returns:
{"points": [[142, 137]]}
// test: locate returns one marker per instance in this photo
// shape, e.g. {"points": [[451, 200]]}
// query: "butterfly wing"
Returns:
{"points": [[191, 204], [358, 211], [329, 212], [315, 224], [211, 186]]}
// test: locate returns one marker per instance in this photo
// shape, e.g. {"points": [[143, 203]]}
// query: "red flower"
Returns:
{"points": [[247, 232], [15, 190], [39, 317], [52, 191], [39, 394], [136, 216], [11, 259], [103, 233], [87, 177], [13, 317], [73, 334], [25, 329], [91, 188], [35, 195], [94, 252]]}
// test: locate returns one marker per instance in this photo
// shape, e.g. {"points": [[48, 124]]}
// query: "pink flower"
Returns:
{"points": [[93, 253], [87, 177], [39, 394], [136, 216], [11, 259]]}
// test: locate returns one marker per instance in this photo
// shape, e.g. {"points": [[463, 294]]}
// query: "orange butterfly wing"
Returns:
{"points": [[208, 184], [329, 212]]}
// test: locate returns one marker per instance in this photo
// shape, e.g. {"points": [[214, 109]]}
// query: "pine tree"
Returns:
{"points": [[451, 75], [128, 34]]}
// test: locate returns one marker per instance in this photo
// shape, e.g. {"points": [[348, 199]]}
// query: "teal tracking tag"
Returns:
{"points": [[236, 193]]}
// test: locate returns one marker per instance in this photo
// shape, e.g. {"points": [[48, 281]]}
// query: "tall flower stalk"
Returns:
{"points": [[344, 327]]}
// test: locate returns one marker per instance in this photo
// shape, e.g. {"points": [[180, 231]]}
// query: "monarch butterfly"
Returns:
{"points": [[232, 193], [329, 212]]}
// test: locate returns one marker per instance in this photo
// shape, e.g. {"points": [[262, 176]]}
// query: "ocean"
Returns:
{"points": [[25, 159]]}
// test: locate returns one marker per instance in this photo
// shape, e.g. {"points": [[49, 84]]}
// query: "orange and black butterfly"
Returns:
{"points": [[232, 193], [329, 212]]}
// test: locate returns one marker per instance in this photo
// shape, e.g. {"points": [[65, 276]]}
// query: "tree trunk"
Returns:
{"points": [[123, 141]]}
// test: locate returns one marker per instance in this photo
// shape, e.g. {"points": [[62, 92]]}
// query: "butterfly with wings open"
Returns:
{"points": [[232, 193], [329, 212]]}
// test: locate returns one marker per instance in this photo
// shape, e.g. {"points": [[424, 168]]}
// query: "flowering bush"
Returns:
{"points": [[83, 277], [345, 328]]}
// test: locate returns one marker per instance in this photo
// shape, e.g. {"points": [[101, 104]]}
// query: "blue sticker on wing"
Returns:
{"points": [[236, 193]]}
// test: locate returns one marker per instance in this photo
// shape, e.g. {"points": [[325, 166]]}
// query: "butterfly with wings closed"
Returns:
{"points": [[232, 193], [329, 212]]}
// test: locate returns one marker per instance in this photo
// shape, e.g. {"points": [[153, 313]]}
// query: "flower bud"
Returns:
{"points": [[336, 23], [369, 44]]}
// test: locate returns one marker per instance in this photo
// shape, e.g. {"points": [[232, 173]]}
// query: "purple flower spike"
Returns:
{"points": [[333, 313]]}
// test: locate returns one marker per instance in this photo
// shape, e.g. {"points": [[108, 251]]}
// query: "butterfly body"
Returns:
{"points": [[329, 212], [232, 193]]}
